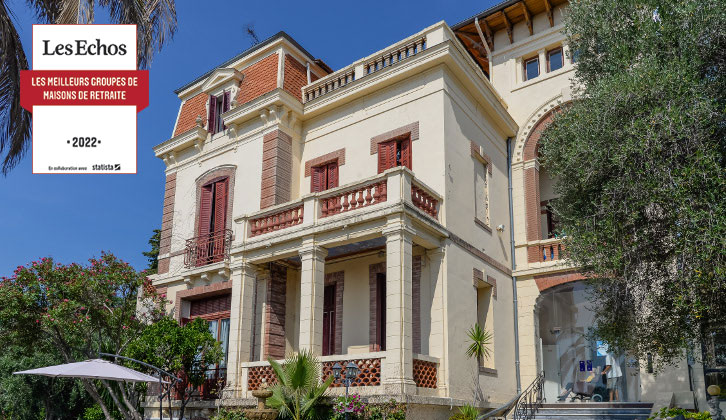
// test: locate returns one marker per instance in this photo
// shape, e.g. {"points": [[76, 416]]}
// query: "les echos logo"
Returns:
{"points": [[84, 92]]}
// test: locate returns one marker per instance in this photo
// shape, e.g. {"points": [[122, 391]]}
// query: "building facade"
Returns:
{"points": [[364, 215]]}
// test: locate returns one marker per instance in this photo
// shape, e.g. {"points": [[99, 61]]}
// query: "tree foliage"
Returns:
{"points": [[152, 255], [639, 160], [76, 311], [187, 351]]}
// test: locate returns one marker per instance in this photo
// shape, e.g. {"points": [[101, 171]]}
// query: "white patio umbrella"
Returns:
{"points": [[92, 369]]}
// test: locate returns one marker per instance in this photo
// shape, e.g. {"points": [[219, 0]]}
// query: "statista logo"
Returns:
{"points": [[106, 167]]}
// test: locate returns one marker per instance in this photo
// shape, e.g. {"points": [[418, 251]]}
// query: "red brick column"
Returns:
{"points": [[416, 299], [276, 169], [373, 271], [532, 211], [275, 313], [167, 222]]}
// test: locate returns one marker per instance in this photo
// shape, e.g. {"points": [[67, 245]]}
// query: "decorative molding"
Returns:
{"points": [[338, 155], [410, 130], [221, 77], [195, 136]]}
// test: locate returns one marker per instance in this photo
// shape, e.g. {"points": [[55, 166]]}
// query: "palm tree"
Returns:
{"points": [[156, 23], [298, 387], [480, 342]]}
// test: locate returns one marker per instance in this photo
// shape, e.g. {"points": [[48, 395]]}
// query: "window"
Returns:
{"points": [[324, 177], [550, 220], [554, 59], [218, 105], [485, 319], [481, 192], [381, 311], [531, 68], [212, 222], [394, 153], [216, 311], [329, 320]]}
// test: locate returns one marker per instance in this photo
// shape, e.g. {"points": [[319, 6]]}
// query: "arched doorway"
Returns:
{"points": [[572, 358]]}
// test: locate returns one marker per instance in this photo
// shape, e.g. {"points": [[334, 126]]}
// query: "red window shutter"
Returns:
{"points": [[205, 210], [332, 175], [386, 155], [318, 179], [406, 153], [225, 106], [220, 205], [212, 117]]}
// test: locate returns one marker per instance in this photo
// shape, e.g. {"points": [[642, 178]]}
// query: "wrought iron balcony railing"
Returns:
{"points": [[208, 249]]}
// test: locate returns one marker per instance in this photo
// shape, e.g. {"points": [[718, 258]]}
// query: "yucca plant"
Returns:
{"points": [[468, 412], [480, 342], [298, 388]]}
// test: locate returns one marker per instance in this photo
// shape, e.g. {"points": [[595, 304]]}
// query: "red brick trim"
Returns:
{"points": [[416, 302], [296, 76], [194, 107], [337, 278], [275, 312], [479, 254], [167, 222], [478, 153], [493, 282], [258, 79], [215, 174], [276, 169], [532, 207], [547, 281], [373, 270], [401, 132], [199, 292], [338, 155], [531, 145]]}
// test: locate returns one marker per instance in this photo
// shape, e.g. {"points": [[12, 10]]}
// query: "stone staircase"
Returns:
{"points": [[594, 411]]}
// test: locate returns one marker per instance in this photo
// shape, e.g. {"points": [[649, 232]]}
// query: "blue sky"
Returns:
{"points": [[74, 217]]}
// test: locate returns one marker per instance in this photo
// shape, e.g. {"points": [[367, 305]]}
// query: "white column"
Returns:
{"points": [[312, 277], [240, 327], [398, 365]]}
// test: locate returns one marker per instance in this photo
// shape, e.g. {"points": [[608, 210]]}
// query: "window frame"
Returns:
{"points": [[399, 159], [524, 68], [549, 53], [326, 168], [477, 204]]}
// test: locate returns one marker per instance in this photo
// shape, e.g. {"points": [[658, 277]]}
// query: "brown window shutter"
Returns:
{"points": [[205, 210], [332, 175], [406, 153], [386, 155], [225, 106], [318, 179], [220, 205], [212, 117]]}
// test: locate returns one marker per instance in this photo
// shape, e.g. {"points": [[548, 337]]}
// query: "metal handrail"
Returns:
{"points": [[208, 249], [531, 399]]}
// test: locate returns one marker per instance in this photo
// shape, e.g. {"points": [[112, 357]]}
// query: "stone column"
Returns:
{"points": [[240, 327], [437, 340], [398, 365], [312, 283]]}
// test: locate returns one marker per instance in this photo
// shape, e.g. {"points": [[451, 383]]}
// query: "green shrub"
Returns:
{"points": [[229, 414], [391, 410], [666, 413], [466, 412]]}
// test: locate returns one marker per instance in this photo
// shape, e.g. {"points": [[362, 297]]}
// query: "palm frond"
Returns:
{"points": [[480, 342], [15, 122]]}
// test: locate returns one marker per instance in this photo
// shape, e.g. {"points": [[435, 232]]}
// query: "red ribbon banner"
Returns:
{"points": [[84, 87]]}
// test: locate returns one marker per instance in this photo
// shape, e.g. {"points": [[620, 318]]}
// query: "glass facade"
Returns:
{"points": [[578, 366]]}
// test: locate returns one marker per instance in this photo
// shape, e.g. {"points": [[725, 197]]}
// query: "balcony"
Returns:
{"points": [[394, 187], [208, 249]]}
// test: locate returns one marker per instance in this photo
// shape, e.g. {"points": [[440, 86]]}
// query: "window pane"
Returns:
{"points": [[213, 328], [532, 68], [224, 339], [555, 59]]}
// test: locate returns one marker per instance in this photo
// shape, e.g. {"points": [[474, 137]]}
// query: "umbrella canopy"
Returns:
{"points": [[92, 369]]}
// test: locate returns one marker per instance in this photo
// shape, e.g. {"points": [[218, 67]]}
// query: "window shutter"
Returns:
{"points": [[317, 179], [406, 153], [220, 205], [225, 106], [332, 175], [386, 155], [205, 210], [212, 117]]}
